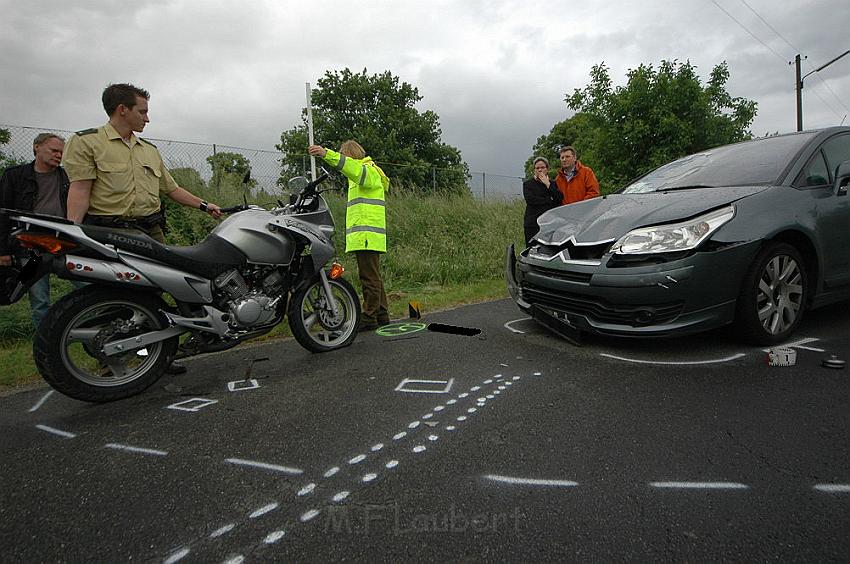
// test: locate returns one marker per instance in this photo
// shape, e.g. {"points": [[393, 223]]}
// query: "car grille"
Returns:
{"points": [[575, 252], [602, 311], [582, 277]]}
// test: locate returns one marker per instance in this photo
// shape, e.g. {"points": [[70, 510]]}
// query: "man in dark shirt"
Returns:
{"points": [[42, 187]]}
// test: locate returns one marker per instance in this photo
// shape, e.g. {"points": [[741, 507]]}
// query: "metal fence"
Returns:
{"points": [[265, 165]]}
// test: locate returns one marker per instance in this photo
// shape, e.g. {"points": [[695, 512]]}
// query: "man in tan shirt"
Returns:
{"points": [[117, 178]]}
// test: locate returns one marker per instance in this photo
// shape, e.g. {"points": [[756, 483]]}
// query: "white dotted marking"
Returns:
{"points": [[357, 459], [273, 537], [462, 418], [177, 556], [700, 485], [488, 381], [400, 435], [463, 395], [369, 477], [538, 374], [418, 448], [223, 530], [238, 559], [833, 488], [392, 464], [263, 510], [474, 388], [413, 425], [451, 402], [40, 402], [439, 408], [428, 416], [377, 447], [433, 437], [65, 434], [331, 472], [340, 496], [264, 466], [530, 481], [138, 450], [311, 514], [451, 428], [307, 489], [472, 410]]}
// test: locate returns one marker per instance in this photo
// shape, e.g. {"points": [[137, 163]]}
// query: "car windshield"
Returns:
{"points": [[757, 162]]}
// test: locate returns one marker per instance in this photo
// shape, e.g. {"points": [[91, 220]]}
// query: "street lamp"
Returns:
{"points": [[800, 85]]}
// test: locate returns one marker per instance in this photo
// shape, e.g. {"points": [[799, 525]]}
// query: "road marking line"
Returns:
{"points": [[418, 448], [273, 537], [307, 489], [701, 485], [238, 559], [799, 345], [444, 386], [357, 459], [400, 435], [65, 434], [369, 477], [263, 510], [671, 363], [377, 447], [223, 530], [340, 496], [509, 323], [40, 402], [306, 516], [833, 488], [177, 556], [392, 464], [139, 450], [531, 481], [331, 472], [264, 466]]}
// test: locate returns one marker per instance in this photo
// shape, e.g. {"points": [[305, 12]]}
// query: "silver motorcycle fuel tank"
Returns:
{"points": [[248, 231]]}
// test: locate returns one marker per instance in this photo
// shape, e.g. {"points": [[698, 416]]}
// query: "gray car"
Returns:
{"points": [[752, 234]]}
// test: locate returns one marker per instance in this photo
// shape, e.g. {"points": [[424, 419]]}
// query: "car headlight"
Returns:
{"points": [[673, 237]]}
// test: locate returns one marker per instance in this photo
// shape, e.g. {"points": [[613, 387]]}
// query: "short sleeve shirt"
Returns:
{"points": [[128, 177]]}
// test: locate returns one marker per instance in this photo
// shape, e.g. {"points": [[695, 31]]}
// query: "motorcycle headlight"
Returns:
{"points": [[673, 237]]}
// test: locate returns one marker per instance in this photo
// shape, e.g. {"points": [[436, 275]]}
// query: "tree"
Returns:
{"points": [[658, 116], [230, 167], [379, 113], [7, 160]]}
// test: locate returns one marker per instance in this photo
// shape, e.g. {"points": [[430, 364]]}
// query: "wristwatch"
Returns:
{"points": [[204, 205]]}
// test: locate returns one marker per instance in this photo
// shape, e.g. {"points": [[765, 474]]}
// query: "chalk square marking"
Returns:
{"points": [[412, 386], [239, 385], [193, 405]]}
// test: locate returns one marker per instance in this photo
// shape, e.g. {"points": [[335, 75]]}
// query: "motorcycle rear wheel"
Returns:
{"points": [[67, 347], [312, 322]]}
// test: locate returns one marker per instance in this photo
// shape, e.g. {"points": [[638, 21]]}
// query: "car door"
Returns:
{"points": [[833, 210]]}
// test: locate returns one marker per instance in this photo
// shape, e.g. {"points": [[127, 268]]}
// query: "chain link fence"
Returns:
{"points": [[265, 165]]}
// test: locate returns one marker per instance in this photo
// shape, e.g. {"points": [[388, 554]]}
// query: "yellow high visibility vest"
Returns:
{"points": [[365, 215]]}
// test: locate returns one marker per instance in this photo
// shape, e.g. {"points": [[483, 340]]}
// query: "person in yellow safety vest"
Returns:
{"points": [[365, 224]]}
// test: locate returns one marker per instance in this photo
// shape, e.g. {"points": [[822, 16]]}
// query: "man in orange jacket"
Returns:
{"points": [[575, 180]]}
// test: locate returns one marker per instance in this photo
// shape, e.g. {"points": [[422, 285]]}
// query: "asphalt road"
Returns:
{"points": [[509, 445]]}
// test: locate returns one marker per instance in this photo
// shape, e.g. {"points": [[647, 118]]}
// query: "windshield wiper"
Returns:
{"points": [[689, 187]]}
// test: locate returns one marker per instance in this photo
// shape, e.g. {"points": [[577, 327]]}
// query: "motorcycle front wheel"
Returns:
{"points": [[313, 322], [68, 347]]}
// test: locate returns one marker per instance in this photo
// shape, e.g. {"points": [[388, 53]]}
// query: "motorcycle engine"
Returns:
{"points": [[254, 304]]}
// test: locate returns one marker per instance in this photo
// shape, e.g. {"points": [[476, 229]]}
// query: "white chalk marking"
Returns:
{"points": [[538, 374], [833, 488], [369, 477], [436, 386], [139, 450], [65, 434], [428, 416], [498, 376], [463, 395], [392, 464], [273, 537], [400, 435], [340, 496], [503, 364], [307, 515], [490, 381], [509, 383], [462, 418], [490, 396], [700, 485], [40, 402], [531, 481], [439, 408], [377, 447], [177, 556], [503, 387], [263, 510], [331, 472], [306, 489], [799, 345], [224, 530], [264, 466], [413, 425], [192, 405], [418, 448], [238, 559], [515, 378], [497, 392], [509, 323], [433, 437], [451, 402], [451, 428], [357, 459], [472, 410], [674, 363], [474, 388], [482, 400]]}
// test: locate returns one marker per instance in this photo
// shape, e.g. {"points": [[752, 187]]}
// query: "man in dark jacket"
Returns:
{"points": [[541, 195], [41, 187]]}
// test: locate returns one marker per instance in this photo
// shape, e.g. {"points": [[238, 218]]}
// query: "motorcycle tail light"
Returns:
{"points": [[336, 270], [49, 243]]}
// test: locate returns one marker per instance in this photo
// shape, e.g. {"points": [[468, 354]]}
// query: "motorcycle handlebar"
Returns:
{"points": [[234, 209]]}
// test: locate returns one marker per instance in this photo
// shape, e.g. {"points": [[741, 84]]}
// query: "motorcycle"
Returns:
{"points": [[114, 338]]}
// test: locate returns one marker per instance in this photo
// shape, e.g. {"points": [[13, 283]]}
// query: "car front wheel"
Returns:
{"points": [[773, 295]]}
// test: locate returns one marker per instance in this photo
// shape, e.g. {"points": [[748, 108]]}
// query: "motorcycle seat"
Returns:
{"points": [[209, 258]]}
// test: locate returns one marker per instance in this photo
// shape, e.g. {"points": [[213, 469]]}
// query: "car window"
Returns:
{"points": [[814, 174], [837, 150], [757, 162]]}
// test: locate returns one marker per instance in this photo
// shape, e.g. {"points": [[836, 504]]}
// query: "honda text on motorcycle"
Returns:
{"points": [[113, 338]]}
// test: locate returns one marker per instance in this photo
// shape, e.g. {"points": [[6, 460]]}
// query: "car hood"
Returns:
{"points": [[610, 217]]}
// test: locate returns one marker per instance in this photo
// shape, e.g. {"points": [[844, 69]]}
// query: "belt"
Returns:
{"points": [[145, 223]]}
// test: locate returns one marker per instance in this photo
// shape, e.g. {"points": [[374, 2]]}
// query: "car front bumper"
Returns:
{"points": [[688, 295]]}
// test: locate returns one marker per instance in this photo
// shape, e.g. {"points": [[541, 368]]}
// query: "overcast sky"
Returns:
{"points": [[496, 72]]}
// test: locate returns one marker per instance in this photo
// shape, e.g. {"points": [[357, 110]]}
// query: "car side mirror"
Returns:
{"points": [[842, 179]]}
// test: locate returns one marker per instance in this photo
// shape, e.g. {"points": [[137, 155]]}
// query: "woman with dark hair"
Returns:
{"points": [[541, 195]]}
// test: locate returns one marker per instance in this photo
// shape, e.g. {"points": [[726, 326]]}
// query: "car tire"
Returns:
{"points": [[773, 295]]}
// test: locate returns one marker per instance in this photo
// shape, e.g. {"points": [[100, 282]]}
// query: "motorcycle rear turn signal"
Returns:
{"points": [[49, 243], [336, 270]]}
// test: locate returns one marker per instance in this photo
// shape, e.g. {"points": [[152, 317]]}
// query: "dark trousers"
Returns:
{"points": [[374, 297]]}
